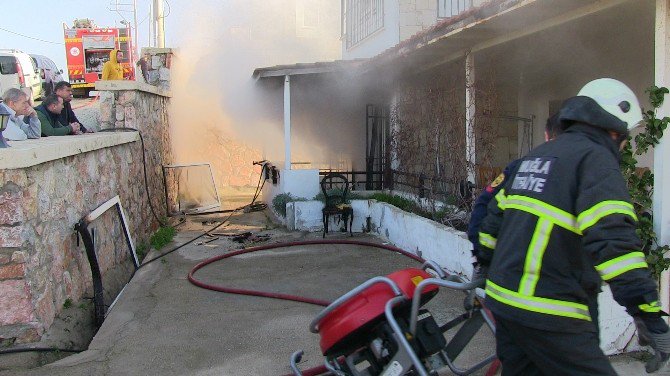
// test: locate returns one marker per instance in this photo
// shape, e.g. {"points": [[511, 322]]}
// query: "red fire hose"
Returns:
{"points": [[264, 294], [90, 102]]}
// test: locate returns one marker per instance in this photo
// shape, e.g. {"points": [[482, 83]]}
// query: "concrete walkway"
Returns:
{"points": [[164, 325]]}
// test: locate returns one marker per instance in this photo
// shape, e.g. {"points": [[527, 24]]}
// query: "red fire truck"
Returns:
{"points": [[87, 48]]}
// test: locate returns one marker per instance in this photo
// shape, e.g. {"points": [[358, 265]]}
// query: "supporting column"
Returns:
{"points": [[470, 111], [661, 199], [159, 21], [287, 122]]}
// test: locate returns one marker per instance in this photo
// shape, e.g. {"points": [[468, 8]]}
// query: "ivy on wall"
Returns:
{"points": [[641, 181]]}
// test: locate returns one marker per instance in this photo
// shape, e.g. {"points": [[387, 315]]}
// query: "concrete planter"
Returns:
{"points": [[428, 239]]}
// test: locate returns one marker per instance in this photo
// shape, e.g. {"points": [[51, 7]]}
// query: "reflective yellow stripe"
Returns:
{"points": [[537, 304], [652, 307], [533, 264], [501, 198], [543, 210], [591, 216], [487, 240], [617, 266]]}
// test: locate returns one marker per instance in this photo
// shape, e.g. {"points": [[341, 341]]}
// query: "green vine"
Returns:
{"points": [[641, 181]]}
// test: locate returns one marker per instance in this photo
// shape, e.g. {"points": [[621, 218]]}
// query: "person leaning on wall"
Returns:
{"points": [[23, 121], [49, 112], [67, 116]]}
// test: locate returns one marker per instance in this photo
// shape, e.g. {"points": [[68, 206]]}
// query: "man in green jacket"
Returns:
{"points": [[48, 113]]}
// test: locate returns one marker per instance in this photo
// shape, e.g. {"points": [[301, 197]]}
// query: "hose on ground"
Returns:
{"points": [[319, 370], [273, 295]]}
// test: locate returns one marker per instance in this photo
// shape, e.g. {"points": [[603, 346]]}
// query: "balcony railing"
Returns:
{"points": [[360, 19]]}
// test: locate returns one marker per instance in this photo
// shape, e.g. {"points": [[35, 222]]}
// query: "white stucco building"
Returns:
{"points": [[536, 53]]}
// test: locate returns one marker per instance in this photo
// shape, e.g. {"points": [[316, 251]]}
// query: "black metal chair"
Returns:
{"points": [[335, 188]]}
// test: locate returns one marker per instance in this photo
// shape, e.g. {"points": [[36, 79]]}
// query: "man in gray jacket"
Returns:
{"points": [[23, 122]]}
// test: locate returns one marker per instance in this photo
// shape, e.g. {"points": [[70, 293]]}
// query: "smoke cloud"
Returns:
{"points": [[218, 113]]}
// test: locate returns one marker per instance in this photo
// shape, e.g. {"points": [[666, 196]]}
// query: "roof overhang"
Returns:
{"points": [[306, 68], [494, 23]]}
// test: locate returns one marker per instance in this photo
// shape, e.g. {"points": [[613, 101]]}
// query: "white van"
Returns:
{"points": [[18, 70]]}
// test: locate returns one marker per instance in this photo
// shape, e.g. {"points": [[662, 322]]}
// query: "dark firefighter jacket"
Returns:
{"points": [[479, 210], [562, 223]]}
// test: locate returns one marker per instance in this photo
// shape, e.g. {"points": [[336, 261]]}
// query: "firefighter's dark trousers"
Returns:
{"points": [[525, 351]]}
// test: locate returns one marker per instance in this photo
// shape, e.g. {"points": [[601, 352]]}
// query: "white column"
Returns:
{"points": [[470, 112], [661, 198], [287, 122], [159, 20]]}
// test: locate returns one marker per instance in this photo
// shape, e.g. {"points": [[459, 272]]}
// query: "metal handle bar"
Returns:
{"points": [[314, 325], [430, 264], [464, 372], [333, 370], [400, 335], [434, 281], [295, 358]]}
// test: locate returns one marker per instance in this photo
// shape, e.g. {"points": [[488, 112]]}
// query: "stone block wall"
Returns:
{"points": [[42, 264], [416, 15], [154, 67]]}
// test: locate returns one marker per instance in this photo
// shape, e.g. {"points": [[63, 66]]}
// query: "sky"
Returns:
{"points": [[41, 22]]}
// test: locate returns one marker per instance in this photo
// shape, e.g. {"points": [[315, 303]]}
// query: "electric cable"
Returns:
{"points": [[259, 188], [250, 207], [145, 263], [169, 9], [144, 165], [253, 206], [29, 37], [38, 349], [206, 232]]}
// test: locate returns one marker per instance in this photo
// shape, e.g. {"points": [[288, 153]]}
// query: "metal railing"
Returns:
{"points": [[361, 18], [424, 185], [419, 184], [358, 180]]}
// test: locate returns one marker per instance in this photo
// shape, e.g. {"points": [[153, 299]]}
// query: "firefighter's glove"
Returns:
{"points": [[653, 331], [481, 272]]}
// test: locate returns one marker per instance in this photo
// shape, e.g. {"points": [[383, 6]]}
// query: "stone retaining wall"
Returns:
{"points": [[41, 262]]}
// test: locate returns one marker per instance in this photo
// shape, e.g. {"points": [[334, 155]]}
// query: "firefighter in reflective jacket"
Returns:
{"points": [[551, 130], [561, 224]]}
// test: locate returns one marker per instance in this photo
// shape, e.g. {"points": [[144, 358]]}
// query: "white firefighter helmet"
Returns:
{"points": [[616, 98]]}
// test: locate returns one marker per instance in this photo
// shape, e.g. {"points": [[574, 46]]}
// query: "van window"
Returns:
{"points": [[7, 65]]}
